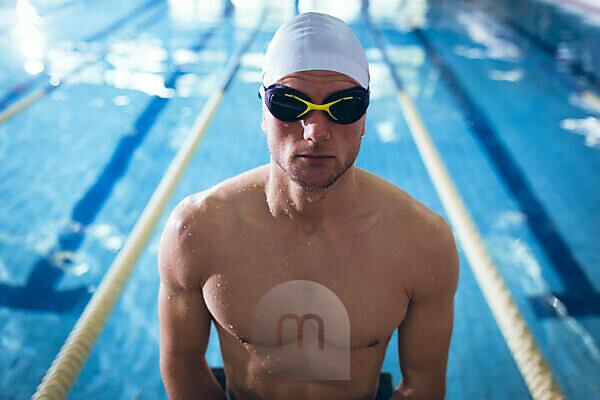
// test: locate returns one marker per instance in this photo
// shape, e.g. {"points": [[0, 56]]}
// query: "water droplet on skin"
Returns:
{"points": [[219, 284], [230, 326]]}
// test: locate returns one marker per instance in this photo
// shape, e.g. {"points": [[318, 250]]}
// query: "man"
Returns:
{"points": [[307, 246]]}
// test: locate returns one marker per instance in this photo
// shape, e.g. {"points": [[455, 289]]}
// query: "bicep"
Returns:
{"points": [[184, 323], [424, 335], [183, 316], [423, 341]]}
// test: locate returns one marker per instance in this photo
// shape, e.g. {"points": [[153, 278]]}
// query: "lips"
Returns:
{"points": [[314, 156]]}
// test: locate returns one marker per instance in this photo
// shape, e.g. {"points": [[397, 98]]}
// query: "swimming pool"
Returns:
{"points": [[118, 85]]}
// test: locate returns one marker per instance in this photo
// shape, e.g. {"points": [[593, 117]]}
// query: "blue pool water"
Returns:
{"points": [[124, 83]]}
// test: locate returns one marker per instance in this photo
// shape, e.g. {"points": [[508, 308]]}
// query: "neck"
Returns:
{"points": [[310, 207]]}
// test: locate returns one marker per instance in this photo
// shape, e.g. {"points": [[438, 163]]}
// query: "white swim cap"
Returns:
{"points": [[312, 41]]}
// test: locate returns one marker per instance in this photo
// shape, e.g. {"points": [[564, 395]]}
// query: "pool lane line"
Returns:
{"points": [[66, 367], [575, 67], [538, 377], [39, 292], [590, 96], [27, 101], [55, 82], [19, 90], [118, 24], [580, 296]]}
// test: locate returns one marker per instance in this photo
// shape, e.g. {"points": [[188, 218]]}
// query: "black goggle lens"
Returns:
{"points": [[350, 110], [284, 107]]}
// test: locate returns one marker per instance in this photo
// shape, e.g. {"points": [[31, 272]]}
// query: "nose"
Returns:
{"points": [[317, 127]]}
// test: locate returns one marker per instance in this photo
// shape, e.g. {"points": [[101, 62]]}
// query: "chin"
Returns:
{"points": [[313, 178], [314, 181]]}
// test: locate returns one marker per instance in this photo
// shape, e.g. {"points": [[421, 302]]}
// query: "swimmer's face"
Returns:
{"points": [[314, 151]]}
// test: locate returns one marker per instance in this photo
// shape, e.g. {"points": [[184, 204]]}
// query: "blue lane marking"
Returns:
{"points": [[20, 89], [575, 66], [87, 208], [580, 297], [39, 293], [123, 20], [561, 76]]}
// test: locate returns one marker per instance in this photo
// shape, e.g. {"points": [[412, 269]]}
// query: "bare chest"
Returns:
{"points": [[345, 293]]}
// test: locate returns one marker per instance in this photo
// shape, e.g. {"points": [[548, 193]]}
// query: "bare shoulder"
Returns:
{"points": [[212, 208], [197, 224], [178, 252], [424, 237], [399, 206]]}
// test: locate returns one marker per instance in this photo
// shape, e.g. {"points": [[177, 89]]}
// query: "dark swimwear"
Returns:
{"points": [[384, 393]]}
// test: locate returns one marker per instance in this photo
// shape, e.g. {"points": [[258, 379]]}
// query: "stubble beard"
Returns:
{"points": [[296, 176]]}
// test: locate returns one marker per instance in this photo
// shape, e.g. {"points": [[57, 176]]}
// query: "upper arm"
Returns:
{"points": [[424, 335], [183, 316]]}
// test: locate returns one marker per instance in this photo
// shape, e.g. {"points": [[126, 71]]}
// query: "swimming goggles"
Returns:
{"points": [[343, 107]]}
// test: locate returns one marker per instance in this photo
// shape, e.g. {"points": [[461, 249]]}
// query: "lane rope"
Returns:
{"points": [[538, 377], [528, 357], [61, 376], [24, 103]]}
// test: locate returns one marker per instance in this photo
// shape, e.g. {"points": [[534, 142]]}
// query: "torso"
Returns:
{"points": [[368, 262]]}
